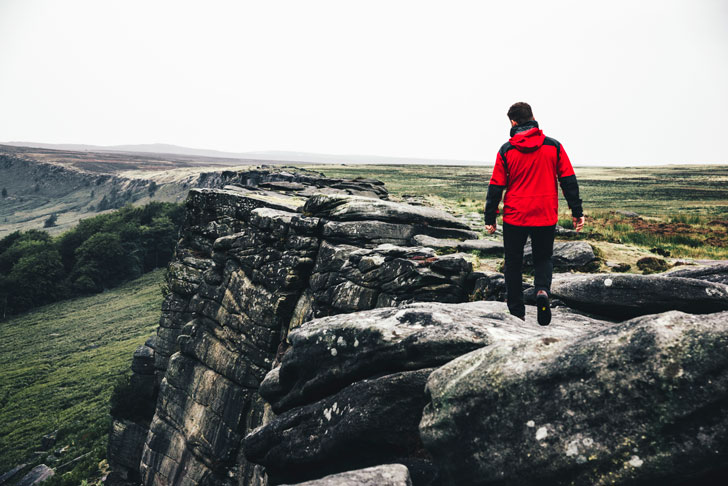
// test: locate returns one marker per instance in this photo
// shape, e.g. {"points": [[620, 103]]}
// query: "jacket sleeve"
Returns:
{"points": [[569, 186], [495, 190]]}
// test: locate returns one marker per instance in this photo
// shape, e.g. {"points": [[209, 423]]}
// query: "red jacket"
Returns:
{"points": [[528, 167]]}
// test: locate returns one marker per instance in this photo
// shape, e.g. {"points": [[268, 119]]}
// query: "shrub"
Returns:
{"points": [[51, 221]]}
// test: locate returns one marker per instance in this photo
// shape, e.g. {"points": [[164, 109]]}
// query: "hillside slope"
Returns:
{"points": [[57, 368]]}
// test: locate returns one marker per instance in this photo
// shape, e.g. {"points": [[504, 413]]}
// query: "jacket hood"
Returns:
{"points": [[527, 137]]}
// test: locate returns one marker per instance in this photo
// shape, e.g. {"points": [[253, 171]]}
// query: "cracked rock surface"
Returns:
{"points": [[642, 402]]}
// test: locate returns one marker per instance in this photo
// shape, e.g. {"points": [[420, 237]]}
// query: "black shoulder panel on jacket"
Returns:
{"points": [[555, 143], [505, 148]]}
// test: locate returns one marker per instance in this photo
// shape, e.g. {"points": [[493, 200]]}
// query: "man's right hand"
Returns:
{"points": [[578, 223], [490, 228]]}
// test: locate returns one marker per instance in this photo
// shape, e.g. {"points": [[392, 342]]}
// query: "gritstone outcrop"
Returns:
{"points": [[311, 334]]}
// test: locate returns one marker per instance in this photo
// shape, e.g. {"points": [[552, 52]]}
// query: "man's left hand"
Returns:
{"points": [[490, 228]]}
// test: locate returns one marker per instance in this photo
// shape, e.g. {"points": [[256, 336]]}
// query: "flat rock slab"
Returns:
{"points": [[711, 273], [625, 296], [356, 208], [329, 353], [370, 422], [386, 475], [485, 247], [36, 476], [372, 232], [642, 402], [567, 255]]}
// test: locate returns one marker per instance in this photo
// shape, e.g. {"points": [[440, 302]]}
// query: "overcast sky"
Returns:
{"points": [[618, 82]]}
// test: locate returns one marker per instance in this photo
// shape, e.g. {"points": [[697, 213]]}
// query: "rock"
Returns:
{"points": [[627, 214], [436, 243], [643, 402], [387, 475], [711, 273], [373, 233], [143, 360], [36, 476], [48, 440], [354, 208], [484, 247], [568, 255], [490, 286], [8, 475], [330, 353], [372, 421], [562, 232], [348, 279], [126, 442], [652, 265], [626, 296]]}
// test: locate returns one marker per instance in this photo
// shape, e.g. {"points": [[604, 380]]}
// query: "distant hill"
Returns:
{"points": [[269, 155]]}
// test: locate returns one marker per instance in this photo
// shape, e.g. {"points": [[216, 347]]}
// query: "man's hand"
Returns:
{"points": [[490, 228], [578, 223]]}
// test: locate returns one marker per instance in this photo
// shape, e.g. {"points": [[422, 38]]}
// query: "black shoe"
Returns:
{"points": [[543, 308]]}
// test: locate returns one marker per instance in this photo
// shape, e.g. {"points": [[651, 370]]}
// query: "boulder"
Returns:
{"points": [[642, 402], [48, 440], [490, 286], [355, 208], [329, 353], [711, 273], [568, 255], [436, 243], [36, 476], [348, 279], [626, 296], [370, 422], [562, 232], [386, 475], [143, 360], [126, 442], [484, 247]]}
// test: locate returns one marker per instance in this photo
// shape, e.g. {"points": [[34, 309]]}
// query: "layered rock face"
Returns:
{"points": [[314, 332], [252, 263]]}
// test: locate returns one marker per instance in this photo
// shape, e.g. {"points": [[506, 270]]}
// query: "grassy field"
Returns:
{"points": [[683, 209], [57, 368]]}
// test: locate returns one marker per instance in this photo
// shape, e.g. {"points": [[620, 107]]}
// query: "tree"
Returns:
{"points": [[103, 259], [51, 221], [37, 278], [158, 240]]}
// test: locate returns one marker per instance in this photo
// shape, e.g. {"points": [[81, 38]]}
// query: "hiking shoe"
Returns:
{"points": [[543, 308]]}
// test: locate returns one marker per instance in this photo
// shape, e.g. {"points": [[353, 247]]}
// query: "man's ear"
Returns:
{"points": [[514, 123]]}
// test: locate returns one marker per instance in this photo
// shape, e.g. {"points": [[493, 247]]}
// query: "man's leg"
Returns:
{"points": [[514, 238], [542, 243]]}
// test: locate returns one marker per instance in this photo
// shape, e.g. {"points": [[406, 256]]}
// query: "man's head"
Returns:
{"points": [[520, 113]]}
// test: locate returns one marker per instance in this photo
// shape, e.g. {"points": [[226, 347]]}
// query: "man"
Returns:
{"points": [[527, 167]]}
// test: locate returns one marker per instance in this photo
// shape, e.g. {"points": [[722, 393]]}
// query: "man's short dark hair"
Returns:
{"points": [[520, 112]]}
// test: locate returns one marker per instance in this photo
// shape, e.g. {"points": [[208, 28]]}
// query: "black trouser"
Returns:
{"points": [[542, 244]]}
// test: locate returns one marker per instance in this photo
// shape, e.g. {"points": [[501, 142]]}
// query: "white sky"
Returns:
{"points": [[620, 82]]}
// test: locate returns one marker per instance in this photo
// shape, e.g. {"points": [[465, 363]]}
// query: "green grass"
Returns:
{"points": [[682, 191], [58, 365], [692, 195]]}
